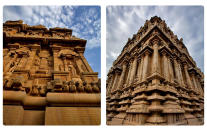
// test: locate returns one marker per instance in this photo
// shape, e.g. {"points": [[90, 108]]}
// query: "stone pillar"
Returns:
{"points": [[171, 70], [194, 82], [112, 82], [180, 74], [140, 69], [129, 73], [115, 81], [155, 58], [133, 71], [165, 66], [55, 57], [31, 59], [189, 82], [145, 65], [177, 74], [121, 79]]}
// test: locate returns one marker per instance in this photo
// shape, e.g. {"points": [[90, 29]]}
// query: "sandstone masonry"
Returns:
{"points": [[154, 81], [46, 78]]}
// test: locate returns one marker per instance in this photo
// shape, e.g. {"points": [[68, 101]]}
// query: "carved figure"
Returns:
{"points": [[71, 69], [72, 87], [65, 86], [87, 87], [79, 86], [95, 87]]}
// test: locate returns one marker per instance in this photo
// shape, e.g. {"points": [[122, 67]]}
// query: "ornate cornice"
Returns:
{"points": [[16, 31]]}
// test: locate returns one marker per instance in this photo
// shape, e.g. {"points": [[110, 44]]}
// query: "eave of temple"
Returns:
{"points": [[15, 31]]}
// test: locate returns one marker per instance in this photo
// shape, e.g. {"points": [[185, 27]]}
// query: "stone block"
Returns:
{"points": [[73, 116], [34, 117], [13, 115]]}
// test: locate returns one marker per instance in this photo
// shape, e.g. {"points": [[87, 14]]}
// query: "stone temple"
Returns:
{"points": [[46, 78], [155, 81]]}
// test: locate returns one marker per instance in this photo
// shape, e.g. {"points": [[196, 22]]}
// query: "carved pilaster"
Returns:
{"points": [[180, 73], [140, 69], [155, 58], [129, 72], [134, 68], [171, 70], [145, 65], [55, 56], [115, 81], [165, 66], [189, 82], [121, 79]]}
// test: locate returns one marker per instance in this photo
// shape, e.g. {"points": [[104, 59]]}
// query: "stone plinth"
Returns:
{"points": [[72, 116]]}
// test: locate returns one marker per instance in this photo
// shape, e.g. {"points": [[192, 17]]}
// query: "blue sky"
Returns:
{"points": [[85, 21], [186, 22]]}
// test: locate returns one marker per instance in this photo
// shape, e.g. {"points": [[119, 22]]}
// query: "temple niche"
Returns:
{"points": [[46, 78], [154, 81]]}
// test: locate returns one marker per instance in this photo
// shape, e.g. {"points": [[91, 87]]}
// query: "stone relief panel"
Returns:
{"points": [[38, 67]]}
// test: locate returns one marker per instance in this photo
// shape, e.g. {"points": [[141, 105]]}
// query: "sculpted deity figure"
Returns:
{"points": [[87, 87], [79, 86], [71, 69], [37, 62], [61, 67], [72, 87], [34, 90], [65, 86]]}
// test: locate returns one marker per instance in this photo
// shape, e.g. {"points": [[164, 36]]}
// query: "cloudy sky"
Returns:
{"points": [[186, 22], [85, 21]]}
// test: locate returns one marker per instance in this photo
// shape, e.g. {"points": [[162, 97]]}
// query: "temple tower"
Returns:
{"points": [[158, 82]]}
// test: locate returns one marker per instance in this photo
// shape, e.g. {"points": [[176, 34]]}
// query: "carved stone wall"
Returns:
{"points": [[154, 81], [44, 71]]}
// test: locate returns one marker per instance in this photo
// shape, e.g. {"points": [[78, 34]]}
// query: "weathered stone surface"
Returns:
{"points": [[45, 67], [13, 115], [154, 81], [72, 99], [72, 116], [34, 117]]}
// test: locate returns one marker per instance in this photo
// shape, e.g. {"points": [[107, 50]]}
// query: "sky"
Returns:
{"points": [[186, 22], [85, 21]]}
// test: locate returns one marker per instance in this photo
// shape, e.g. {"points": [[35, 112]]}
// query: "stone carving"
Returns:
{"points": [[39, 63], [79, 86], [15, 83], [158, 85], [87, 87]]}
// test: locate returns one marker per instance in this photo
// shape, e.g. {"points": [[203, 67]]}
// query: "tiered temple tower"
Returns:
{"points": [[46, 78], [155, 81]]}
